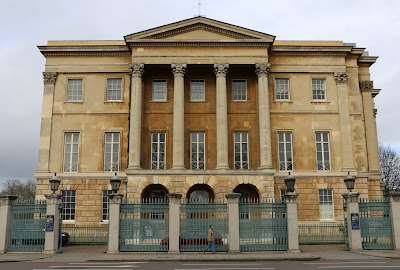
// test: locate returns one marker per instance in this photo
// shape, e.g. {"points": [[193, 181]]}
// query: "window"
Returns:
{"points": [[322, 140], [285, 151], [111, 152], [159, 90], [75, 89], [319, 91], [283, 194], [239, 88], [71, 151], [197, 150], [69, 204], [105, 204], [241, 150], [282, 89], [158, 150], [325, 204], [114, 89], [197, 90]]}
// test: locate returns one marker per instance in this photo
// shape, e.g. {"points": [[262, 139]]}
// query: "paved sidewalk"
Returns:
{"points": [[392, 254], [21, 257]]}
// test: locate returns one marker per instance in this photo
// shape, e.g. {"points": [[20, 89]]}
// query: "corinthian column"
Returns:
{"points": [[222, 116], [135, 124], [262, 71], [179, 114], [341, 79], [47, 115]]}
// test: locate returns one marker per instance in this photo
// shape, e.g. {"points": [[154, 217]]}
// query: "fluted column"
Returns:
{"points": [[262, 71], [179, 114], [135, 124], [222, 116], [370, 126], [341, 79], [47, 115]]}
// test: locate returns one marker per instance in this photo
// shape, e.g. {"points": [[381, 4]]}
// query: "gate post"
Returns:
{"points": [[52, 237], [174, 222], [113, 222], [292, 223], [5, 220], [233, 219], [354, 235], [394, 199]]}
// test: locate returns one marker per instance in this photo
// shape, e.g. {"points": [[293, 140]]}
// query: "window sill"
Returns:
{"points": [[283, 101], [197, 101], [327, 220], [74, 101], [320, 101], [240, 101], [103, 222], [113, 101], [159, 101], [69, 222]]}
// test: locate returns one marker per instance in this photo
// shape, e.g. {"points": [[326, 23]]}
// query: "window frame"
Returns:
{"points": [[122, 90], [233, 89], [166, 90], [322, 149], [326, 89], [112, 148], [326, 203], [64, 152], [240, 152], [65, 194], [275, 92], [190, 90], [292, 155], [197, 144], [158, 147], [105, 194], [67, 90]]}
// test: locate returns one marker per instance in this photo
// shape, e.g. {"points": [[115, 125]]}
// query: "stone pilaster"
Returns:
{"points": [[233, 217], [354, 236], [135, 124], [341, 79], [49, 79], [370, 126], [179, 112], [394, 198], [52, 208], [174, 221], [292, 221], [5, 220], [222, 116], [264, 119], [114, 222]]}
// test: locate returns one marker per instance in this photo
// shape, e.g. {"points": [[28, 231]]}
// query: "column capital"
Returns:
{"points": [[174, 197], [136, 69], [53, 198], [394, 196], [7, 199], [178, 69], [115, 198], [351, 197], [50, 77], [366, 85], [233, 197], [341, 77], [221, 69], [262, 69], [291, 197]]}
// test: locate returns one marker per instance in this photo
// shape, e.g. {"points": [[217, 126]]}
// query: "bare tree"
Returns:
{"points": [[24, 190], [390, 166]]}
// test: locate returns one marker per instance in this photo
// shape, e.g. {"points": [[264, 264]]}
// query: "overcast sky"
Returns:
{"points": [[26, 24]]}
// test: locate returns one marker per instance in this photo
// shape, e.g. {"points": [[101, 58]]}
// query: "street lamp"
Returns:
{"points": [[289, 182], [350, 181], [115, 183], [54, 183]]}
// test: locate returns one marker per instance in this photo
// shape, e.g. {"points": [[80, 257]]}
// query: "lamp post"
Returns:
{"points": [[54, 183], [115, 183], [289, 183], [350, 182]]}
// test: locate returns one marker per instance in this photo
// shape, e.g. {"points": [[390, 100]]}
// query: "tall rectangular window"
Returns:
{"points": [[75, 89], [241, 150], [285, 151], [197, 150], [111, 152], [69, 204], [159, 90], [318, 89], [114, 89], [105, 205], [71, 152], [325, 204], [282, 89], [158, 140], [322, 141], [239, 89], [197, 90]]}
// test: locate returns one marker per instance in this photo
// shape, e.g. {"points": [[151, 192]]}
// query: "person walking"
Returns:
{"points": [[210, 239]]}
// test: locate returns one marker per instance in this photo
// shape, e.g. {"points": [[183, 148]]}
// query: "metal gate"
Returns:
{"points": [[196, 217], [346, 232], [28, 223], [262, 225], [60, 223], [375, 225], [144, 225]]}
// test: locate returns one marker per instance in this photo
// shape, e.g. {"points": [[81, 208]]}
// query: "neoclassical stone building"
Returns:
{"points": [[204, 108]]}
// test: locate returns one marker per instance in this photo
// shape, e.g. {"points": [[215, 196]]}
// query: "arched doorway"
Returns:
{"points": [[248, 192], [200, 192], [154, 192]]}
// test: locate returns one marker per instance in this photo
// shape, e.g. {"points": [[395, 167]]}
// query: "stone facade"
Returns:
{"points": [[217, 53]]}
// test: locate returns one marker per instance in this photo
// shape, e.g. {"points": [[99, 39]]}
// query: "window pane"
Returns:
{"points": [[159, 90], [197, 90], [114, 89], [239, 89]]}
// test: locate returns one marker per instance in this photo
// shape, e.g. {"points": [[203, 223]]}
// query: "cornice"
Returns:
{"points": [[85, 50], [366, 61], [307, 50], [198, 44], [340, 54]]}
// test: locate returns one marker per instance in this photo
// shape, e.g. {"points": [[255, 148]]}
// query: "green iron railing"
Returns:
{"points": [[28, 223], [346, 233], [262, 225], [86, 234], [196, 217], [321, 233], [375, 224], [144, 225]]}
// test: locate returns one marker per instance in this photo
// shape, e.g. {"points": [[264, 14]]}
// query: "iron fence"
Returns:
{"points": [[262, 225], [196, 217], [144, 225], [86, 234], [28, 223], [321, 233]]}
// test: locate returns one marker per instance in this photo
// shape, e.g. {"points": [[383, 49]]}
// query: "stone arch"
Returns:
{"points": [[199, 190], [154, 191], [247, 191]]}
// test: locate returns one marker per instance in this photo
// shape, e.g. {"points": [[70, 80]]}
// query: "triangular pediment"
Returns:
{"points": [[199, 29]]}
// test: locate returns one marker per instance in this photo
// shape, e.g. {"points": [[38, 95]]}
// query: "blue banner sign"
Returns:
{"points": [[355, 221], [50, 223]]}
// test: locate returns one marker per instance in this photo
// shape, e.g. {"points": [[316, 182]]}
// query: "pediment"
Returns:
{"points": [[199, 29]]}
